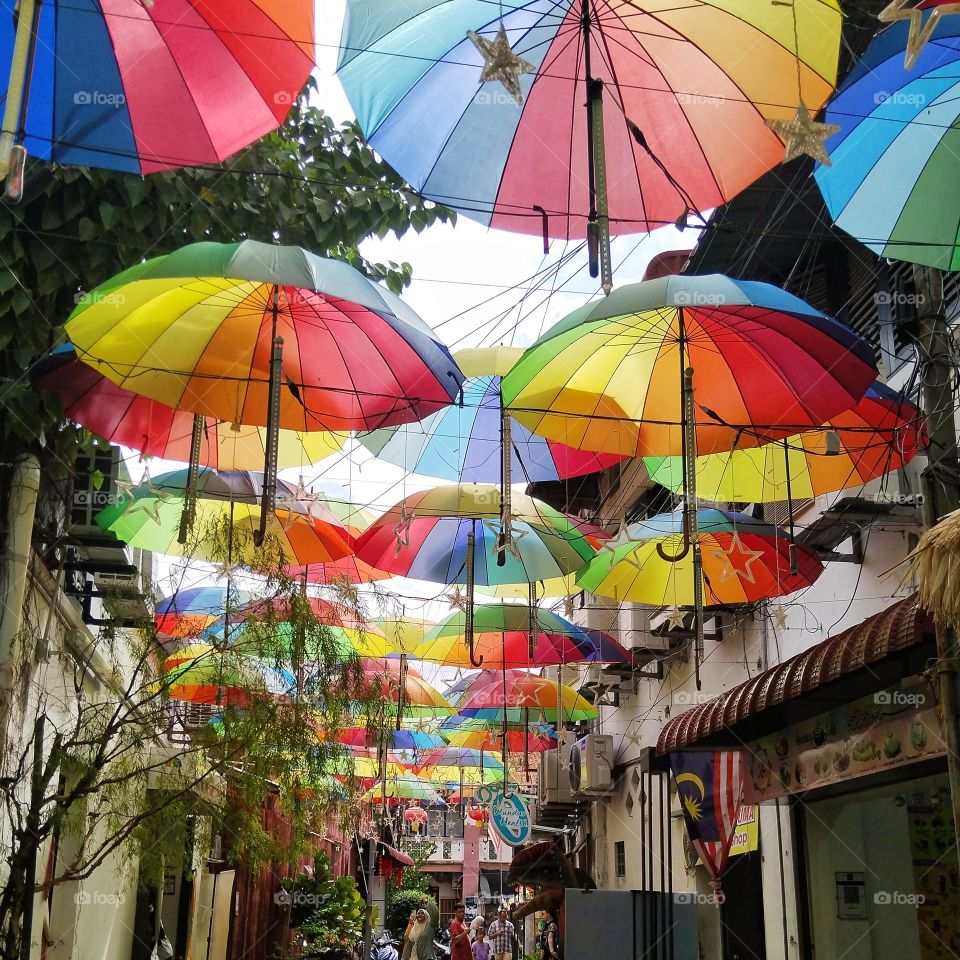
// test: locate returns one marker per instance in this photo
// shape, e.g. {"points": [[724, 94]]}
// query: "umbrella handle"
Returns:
{"points": [[675, 558], [473, 661]]}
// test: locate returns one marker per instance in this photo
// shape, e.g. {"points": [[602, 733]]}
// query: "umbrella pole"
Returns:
{"points": [[403, 680], [189, 512], [598, 224], [268, 500], [13, 110], [531, 646], [793, 542], [506, 479], [468, 612]]}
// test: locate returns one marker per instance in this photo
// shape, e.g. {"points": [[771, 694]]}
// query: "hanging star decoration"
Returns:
{"points": [[501, 63], [401, 531], [226, 569], [458, 600], [308, 498], [601, 687], [675, 618], [634, 738], [803, 136], [568, 610], [515, 533], [622, 539], [780, 615], [739, 550], [920, 31], [153, 490], [124, 494]]}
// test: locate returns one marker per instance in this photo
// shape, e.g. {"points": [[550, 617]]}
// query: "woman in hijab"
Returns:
{"points": [[420, 933]]}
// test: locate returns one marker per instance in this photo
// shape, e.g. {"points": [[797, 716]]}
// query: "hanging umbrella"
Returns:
{"points": [[452, 776], [535, 738], [668, 88], [140, 87], [517, 694], [223, 678], [502, 637], [401, 687], [553, 587], [194, 329], [425, 536], [744, 560], [464, 441], [406, 787], [881, 433], [187, 613], [897, 147], [155, 430], [226, 520], [404, 632], [402, 739], [464, 757], [766, 366]]}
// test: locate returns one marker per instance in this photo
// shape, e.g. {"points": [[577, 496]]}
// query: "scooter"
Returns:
{"points": [[441, 946], [384, 947]]}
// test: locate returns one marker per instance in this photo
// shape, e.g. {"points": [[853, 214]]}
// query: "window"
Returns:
{"points": [[620, 858]]}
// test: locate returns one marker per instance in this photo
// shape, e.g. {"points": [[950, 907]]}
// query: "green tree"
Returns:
{"points": [[312, 183]]}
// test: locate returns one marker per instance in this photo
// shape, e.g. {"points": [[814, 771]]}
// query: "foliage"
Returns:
{"points": [[312, 183], [328, 910], [400, 904], [420, 850]]}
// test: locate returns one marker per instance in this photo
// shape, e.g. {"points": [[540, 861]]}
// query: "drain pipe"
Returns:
{"points": [[21, 508]]}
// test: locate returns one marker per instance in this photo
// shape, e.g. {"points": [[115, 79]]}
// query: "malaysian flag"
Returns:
{"points": [[710, 788]]}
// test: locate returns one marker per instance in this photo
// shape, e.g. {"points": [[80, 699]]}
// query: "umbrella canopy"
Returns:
{"points": [[897, 147], [150, 516], [425, 536], [464, 441], [140, 88], [405, 633], [536, 739], [519, 694], [502, 638], [396, 739], [464, 757], [554, 587], [187, 613], [121, 416], [451, 775], [206, 674], [744, 560], [195, 329], [767, 365], [383, 678], [405, 787], [676, 72], [881, 433]]}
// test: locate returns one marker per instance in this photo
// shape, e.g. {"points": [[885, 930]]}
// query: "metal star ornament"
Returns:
{"points": [[401, 531], [920, 31], [622, 539], [153, 490], [803, 136], [729, 557], [568, 607], [458, 600], [780, 616], [675, 618], [501, 63]]}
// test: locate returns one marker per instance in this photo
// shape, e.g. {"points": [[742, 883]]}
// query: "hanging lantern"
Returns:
{"points": [[416, 817], [478, 815]]}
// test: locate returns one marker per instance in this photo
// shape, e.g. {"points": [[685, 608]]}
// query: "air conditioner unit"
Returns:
{"points": [[554, 780], [591, 766]]}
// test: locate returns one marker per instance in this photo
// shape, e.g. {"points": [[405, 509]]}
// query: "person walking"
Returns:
{"points": [[550, 938], [502, 936], [481, 948], [477, 924], [459, 935], [420, 932]]}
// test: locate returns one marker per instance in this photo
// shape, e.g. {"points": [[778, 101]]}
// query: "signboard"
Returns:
{"points": [[747, 837], [510, 818], [886, 729]]}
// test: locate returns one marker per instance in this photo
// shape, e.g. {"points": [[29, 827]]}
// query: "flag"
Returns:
{"points": [[710, 788]]}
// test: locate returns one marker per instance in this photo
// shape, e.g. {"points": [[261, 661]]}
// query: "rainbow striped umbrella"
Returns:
{"points": [[518, 696], [187, 613], [486, 735], [686, 88], [141, 87], [744, 560]]}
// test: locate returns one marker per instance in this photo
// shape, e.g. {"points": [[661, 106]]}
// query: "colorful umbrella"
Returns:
{"points": [[396, 739], [400, 686], [214, 676], [554, 587], [405, 633], [464, 442], [140, 88], [451, 775], [897, 148], [744, 560], [881, 433], [406, 787], [465, 757], [502, 638], [155, 430], [195, 329], [686, 90], [517, 694], [766, 366], [537, 738], [425, 536], [187, 613]]}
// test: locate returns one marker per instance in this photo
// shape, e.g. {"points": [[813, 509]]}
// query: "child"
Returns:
{"points": [[481, 948]]}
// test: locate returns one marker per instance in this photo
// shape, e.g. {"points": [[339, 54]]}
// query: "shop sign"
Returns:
{"points": [[884, 730], [746, 839], [510, 818]]}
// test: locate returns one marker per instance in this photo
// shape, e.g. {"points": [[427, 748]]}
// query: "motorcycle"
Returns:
{"points": [[384, 947], [441, 946]]}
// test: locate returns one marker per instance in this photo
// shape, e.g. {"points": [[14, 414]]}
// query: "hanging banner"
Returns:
{"points": [[510, 818]]}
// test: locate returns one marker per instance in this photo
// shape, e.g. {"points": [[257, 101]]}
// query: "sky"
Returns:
{"points": [[473, 286]]}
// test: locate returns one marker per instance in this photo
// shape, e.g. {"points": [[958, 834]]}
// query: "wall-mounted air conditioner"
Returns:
{"points": [[591, 766]]}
